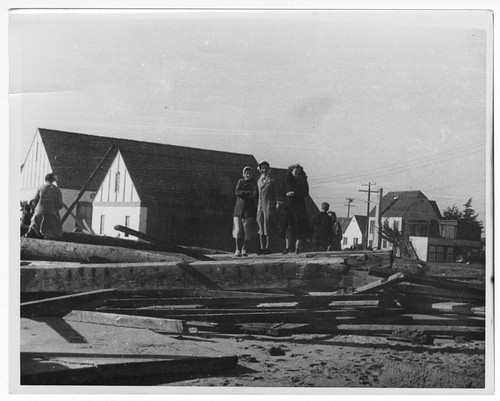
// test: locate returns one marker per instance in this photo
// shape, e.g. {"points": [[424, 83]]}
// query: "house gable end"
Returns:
{"points": [[117, 186], [36, 165]]}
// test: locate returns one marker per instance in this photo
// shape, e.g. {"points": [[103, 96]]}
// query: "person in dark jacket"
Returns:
{"points": [[46, 221], [245, 212], [296, 190], [322, 229]]}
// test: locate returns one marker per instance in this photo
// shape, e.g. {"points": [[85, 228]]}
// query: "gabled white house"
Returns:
{"points": [[117, 201]]}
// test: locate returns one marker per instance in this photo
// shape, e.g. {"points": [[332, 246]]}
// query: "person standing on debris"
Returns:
{"points": [[322, 229], [46, 222], [245, 212], [336, 237], [297, 188], [266, 208]]}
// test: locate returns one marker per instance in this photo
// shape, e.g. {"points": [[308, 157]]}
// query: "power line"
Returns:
{"points": [[441, 158]]}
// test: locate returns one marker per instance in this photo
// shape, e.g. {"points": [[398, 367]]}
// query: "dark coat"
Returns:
{"points": [[246, 198], [298, 221], [322, 227]]}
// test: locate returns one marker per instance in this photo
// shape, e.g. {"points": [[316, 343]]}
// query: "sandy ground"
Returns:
{"points": [[292, 361]]}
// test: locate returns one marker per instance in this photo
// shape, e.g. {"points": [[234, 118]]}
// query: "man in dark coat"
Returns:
{"points": [[336, 239], [322, 229]]}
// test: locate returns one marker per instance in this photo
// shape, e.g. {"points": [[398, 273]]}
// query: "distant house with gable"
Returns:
{"points": [[420, 222], [354, 233]]}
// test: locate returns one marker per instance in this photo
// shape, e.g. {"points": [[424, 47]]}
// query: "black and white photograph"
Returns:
{"points": [[251, 200]]}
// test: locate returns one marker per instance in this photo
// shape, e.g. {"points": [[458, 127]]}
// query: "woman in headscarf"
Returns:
{"points": [[245, 212], [297, 189]]}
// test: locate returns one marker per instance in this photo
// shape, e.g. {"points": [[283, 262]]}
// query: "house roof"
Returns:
{"points": [[156, 167], [162, 174], [361, 220], [410, 205], [344, 222]]}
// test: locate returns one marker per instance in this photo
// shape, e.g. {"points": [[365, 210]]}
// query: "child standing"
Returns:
{"points": [[245, 212]]}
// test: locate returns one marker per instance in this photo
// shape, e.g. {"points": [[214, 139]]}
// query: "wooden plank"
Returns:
{"points": [[416, 292], [56, 306], [381, 284], [163, 244], [461, 308], [112, 319], [37, 249], [304, 300], [291, 316], [293, 275], [128, 372]]}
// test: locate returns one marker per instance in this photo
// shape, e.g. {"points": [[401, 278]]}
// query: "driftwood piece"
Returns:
{"points": [[293, 275], [38, 249], [57, 306], [164, 245], [171, 326], [121, 370]]}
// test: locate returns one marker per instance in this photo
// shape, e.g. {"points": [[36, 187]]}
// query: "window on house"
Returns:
{"points": [[101, 226], [372, 226], [355, 241], [84, 213], [345, 240], [117, 181], [396, 225], [127, 223], [384, 244]]}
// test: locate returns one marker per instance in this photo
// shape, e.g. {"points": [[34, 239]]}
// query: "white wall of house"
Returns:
{"points": [[36, 166], [105, 218], [353, 234], [421, 246]]}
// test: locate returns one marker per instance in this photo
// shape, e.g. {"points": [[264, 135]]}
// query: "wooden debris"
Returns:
{"points": [[435, 282], [170, 326], [59, 305]]}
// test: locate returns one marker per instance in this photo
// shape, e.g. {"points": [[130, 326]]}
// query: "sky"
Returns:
{"points": [[393, 98]]}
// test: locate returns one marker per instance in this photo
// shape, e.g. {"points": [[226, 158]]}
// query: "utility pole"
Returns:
{"points": [[379, 219], [367, 210], [349, 201]]}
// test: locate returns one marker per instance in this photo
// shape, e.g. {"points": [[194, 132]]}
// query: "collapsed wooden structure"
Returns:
{"points": [[340, 293]]}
